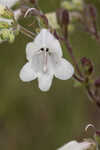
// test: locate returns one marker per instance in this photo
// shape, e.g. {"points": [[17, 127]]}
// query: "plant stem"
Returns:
{"points": [[78, 78], [26, 32], [93, 96], [70, 50]]}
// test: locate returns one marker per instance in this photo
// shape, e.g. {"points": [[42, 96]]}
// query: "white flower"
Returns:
{"points": [[8, 3], [45, 60], [74, 145]]}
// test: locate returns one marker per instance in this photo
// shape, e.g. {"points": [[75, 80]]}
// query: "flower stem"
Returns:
{"points": [[26, 32], [70, 50], [78, 78], [93, 96]]}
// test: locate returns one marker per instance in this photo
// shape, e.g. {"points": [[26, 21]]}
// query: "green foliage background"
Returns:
{"points": [[33, 120]]}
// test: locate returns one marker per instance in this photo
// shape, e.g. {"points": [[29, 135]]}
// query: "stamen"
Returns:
{"points": [[45, 57]]}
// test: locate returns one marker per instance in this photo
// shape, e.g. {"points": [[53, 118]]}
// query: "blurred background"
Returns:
{"points": [[33, 120]]}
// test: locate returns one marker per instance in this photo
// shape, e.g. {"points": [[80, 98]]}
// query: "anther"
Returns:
{"points": [[47, 49], [42, 49]]}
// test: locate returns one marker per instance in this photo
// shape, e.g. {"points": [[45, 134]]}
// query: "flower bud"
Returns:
{"points": [[6, 13], [97, 138], [6, 17], [97, 82], [92, 11], [87, 66], [62, 16], [98, 133], [68, 5], [2, 9], [52, 20], [33, 1], [7, 35], [78, 3], [73, 5], [8, 25]]}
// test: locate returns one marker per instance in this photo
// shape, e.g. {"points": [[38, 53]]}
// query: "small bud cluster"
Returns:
{"points": [[8, 25]]}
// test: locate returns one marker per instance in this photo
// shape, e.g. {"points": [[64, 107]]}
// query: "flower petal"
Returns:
{"points": [[74, 145], [45, 81], [8, 3], [17, 14], [46, 39], [64, 70], [38, 64], [31, 48], [26, 73], [9, 21], [69, 146], [43, 40]]}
